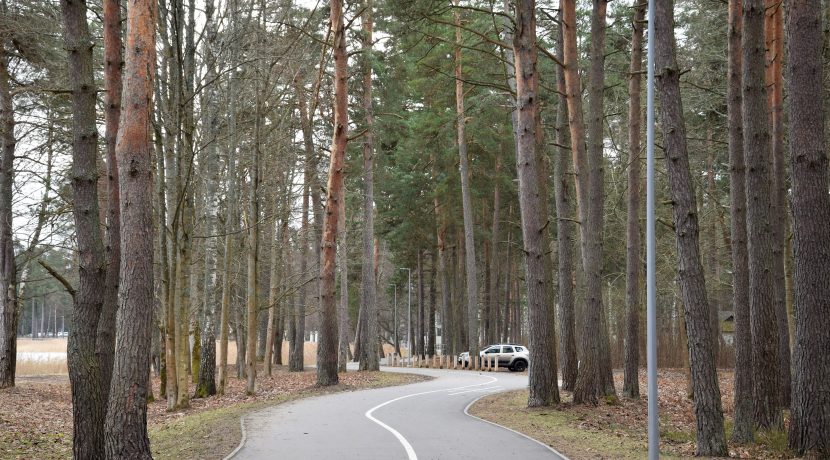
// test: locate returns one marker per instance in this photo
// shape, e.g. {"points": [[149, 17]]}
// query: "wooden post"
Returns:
{"points": [[497, 365]]}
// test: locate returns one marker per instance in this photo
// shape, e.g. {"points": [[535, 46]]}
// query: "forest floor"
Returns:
{"points": [[36, 415], [617, 429]]}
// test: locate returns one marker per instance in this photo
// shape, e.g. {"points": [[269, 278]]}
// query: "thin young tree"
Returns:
{"points": [[810, 427], [113, 62], [757, 154], [84, 368], [631, 381], [711, 440], [327, 348], [126, 422], [744, 421]]}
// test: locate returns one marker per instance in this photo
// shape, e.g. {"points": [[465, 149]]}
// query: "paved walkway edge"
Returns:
{"points": [[467, 412]]}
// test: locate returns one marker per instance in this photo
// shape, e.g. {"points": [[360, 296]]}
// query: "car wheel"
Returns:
{"points": [[520, 366]]}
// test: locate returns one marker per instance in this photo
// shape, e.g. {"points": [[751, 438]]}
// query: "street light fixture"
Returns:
{"points": [[409, 313]]}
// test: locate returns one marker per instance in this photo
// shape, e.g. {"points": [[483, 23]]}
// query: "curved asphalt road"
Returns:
{"points": [[424, 420]]}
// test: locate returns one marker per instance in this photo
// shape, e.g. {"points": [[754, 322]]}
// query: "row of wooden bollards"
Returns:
{"points": [[475, 363]]}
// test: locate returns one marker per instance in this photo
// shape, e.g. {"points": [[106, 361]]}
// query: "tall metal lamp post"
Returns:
{"points": [[651, 293]]}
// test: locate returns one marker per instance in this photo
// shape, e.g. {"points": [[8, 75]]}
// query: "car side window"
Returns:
{"points": [[507, 350], [519, 349], [492, 350]]}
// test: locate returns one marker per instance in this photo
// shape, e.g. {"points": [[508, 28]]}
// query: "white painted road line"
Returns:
{"points": [[410, 452], [474, 390]]}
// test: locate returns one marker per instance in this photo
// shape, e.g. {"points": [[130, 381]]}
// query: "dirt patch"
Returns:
{"points": [[618, 429], [36, 415]]}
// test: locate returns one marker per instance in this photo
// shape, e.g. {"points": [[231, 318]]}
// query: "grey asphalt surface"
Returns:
{"points": [[424, 420]]}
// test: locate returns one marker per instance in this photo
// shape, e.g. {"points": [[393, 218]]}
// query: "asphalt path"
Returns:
{"points": [[426, 420]]}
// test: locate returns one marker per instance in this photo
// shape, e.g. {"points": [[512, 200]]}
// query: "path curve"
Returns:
{"points": [[426, 420]]}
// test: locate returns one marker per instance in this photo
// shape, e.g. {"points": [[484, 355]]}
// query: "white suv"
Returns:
{"points": [[512, 356]]}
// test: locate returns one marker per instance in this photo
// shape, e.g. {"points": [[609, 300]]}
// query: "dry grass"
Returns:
{"points": [[56, 345], [40, 357]]}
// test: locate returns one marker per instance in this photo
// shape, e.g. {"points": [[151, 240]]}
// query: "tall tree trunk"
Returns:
{"points": [[565, 230], [543, 387], [711, 271], [231, 221], [493, 285], [774, 80], [343, 306], [596, 193], [327, 348], [744, 421], [757, 151], [126, 422], [84, 368], [810, 427], [631, 381], [206, 385], [430, 315], [295, 358], [113, 62], [447, 337], [588, 179], [8, 276], [369, 350], [466, 200], [707, 403], [253, 254], [419, 315]]}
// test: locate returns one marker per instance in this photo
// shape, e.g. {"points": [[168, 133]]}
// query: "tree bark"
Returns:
{"points": [[810, 428], [84, 368], [707, 403], [126, 423], [253, 256], [588, 174], [327, 348], [343, 306], [544, 390], [206, 385], [9, 315], [774, 80], [564, 230], [369, 350], [113, 62], [757, 151], [466, 200], [631, 381], [744, 421]]}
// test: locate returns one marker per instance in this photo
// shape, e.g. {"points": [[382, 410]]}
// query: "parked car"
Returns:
{"points": [[513, 357], [464, 358]]}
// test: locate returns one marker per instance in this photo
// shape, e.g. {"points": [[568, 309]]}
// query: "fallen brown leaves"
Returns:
{"points": [[36, 415], [618, 428]]}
